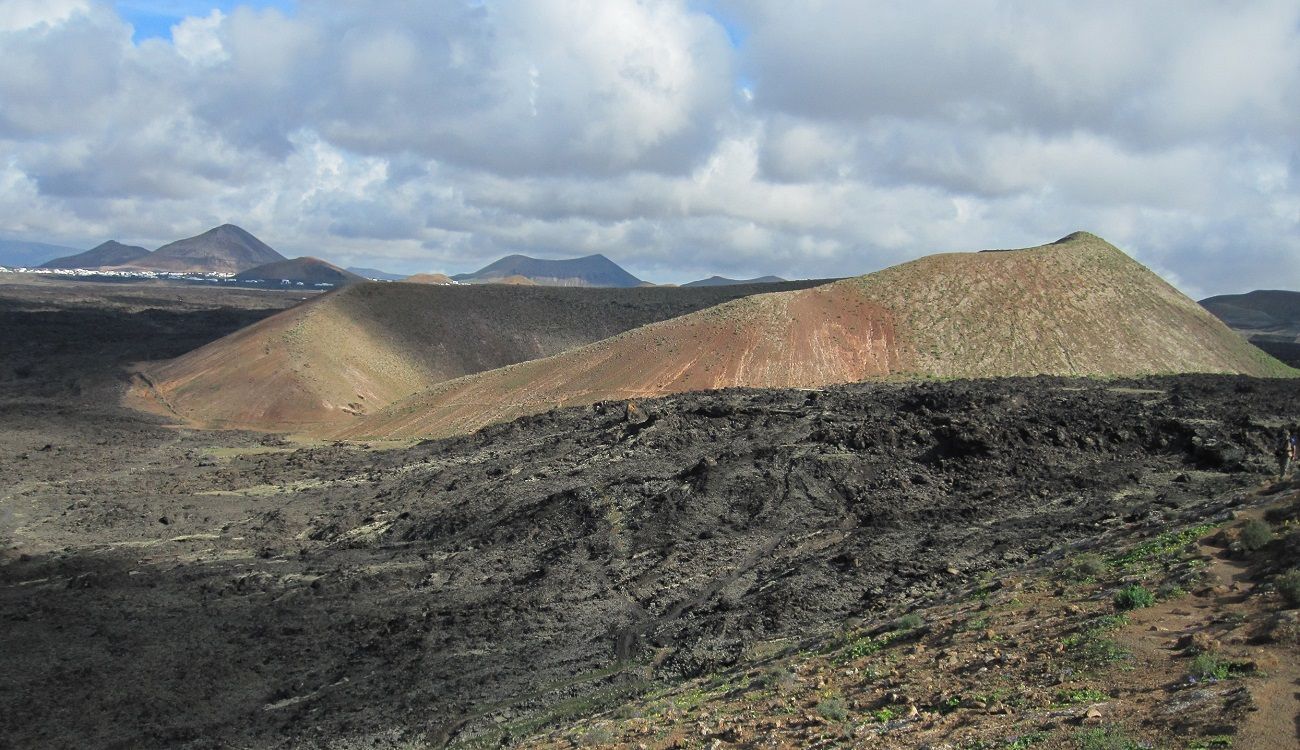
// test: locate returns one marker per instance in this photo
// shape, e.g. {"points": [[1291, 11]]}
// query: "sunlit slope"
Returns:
{"points": [[312, 365], [1076, 307], [353, 351]]}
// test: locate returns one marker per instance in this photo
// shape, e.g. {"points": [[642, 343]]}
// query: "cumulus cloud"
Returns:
{"points": [[198, 39], [23, 15], [835, 137]]}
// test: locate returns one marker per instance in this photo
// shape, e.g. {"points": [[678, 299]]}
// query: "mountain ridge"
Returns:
{"points": [[23, 254], [223, 249], [589, 270], [724, 281], [110, 254], [1262, 310], [305, 270]]}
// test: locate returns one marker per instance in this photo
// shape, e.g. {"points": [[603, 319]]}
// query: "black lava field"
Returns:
{"points": [[166, 587]]}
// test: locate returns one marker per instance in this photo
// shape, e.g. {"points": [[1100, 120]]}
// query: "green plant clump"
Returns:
{"points": [[597, 737], [1072, 697], [1104, 738], [1086, 567], [1026, 741], [1166, 544], [1107, 623], [909, 622], [868, 646], [1096, 651], [833, 708], [1207, 666], [1288, 586], [1256, 534], [1133, 597]]}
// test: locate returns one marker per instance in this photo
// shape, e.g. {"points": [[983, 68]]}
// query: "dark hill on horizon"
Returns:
{"points": [[355, 350], [1274, 311], [1269, 318], [105, 255], [724, 281], [374, 274], [23, 254], [306, 271], [1078, 306], [592, 270], [223, 249]]}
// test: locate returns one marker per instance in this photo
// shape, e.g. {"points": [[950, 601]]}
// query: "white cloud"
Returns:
{"points": [[21, 15], [841, 136], [198, 40]]}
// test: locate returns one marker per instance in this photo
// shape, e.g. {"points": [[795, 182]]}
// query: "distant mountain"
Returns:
{"points": [[1261, 311], [22, 254], [225, 249], [724, 281], [305, 271], [593, 270], [375, 274], [1269, 318], [106, 255]]}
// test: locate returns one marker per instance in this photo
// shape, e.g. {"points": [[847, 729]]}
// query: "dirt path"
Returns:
{"points": [[1276, 723], [1219, 615]]}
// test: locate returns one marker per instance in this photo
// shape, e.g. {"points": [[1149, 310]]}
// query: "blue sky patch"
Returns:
{"points": [[155, 18]]}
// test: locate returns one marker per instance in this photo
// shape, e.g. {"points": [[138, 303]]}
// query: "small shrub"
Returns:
{"points": [[1104, 738], [597, 737], [1207, 666], [885, 714], [780, 679], [833, 708], [1106, 623], [909, 622], [1133, 597], [867, 646], [1026, 741], [1087, 695], [1171, 591], [1086, 567], [1288, 586], [1256, 534], [1092, 649]]}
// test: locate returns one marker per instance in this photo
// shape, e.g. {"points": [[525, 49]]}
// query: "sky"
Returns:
{"points": [[680, 138]]}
